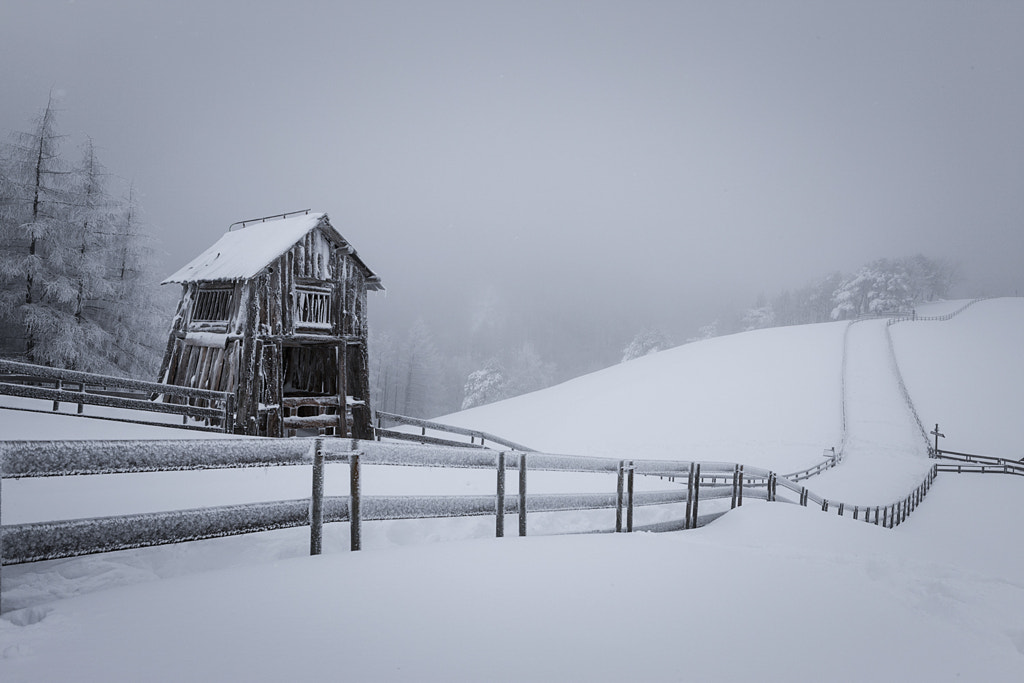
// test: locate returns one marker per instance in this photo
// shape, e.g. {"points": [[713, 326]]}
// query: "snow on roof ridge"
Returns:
{"points": [[241, 254]]}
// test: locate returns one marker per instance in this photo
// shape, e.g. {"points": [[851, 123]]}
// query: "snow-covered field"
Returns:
{"points": [[768, 592]]}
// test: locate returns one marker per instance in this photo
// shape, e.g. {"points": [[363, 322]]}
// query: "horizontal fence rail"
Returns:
{"points": [[950, 461], [24, 380], [704, 481], [424, 425]]}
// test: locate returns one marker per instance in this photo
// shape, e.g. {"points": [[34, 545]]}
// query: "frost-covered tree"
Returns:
{"points": [[517, 372], [815, 300], [528, 371], [420, 364], [705, 332], [887, 286], [132, 313], [647, 341], [486, 385], [385, 375], [760, 316], [33, 237], [67, 316], [77, 288], [929, 279]]}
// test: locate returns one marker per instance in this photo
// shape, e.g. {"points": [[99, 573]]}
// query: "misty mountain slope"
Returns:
{"points": [[772, 398], [967, 374], [769, 398]]}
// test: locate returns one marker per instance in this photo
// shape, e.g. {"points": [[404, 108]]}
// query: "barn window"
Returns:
{"points": [[212, 305], [313, 307]]}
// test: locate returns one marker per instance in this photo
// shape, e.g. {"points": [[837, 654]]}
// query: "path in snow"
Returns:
{"points": [[885, 456]]}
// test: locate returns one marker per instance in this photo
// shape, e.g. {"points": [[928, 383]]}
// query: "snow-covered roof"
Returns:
{"points": [[242, 254]]}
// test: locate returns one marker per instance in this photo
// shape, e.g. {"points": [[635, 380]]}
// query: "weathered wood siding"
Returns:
{"points": [[246, 352]]}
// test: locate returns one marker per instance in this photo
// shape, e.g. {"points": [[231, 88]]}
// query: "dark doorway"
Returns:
{"points": [[310, 371]]}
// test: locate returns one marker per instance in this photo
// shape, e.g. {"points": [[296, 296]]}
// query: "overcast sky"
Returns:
{"points": [[623, 159]]}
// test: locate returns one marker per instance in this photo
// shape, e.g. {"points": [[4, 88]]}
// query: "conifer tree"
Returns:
{"points": [[32, 225], [76, 277]]}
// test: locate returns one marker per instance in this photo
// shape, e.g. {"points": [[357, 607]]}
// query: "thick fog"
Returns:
{"points": [[593, 167]]}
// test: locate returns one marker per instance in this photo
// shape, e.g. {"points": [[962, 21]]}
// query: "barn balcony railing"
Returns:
{"points": [[313, 308]]}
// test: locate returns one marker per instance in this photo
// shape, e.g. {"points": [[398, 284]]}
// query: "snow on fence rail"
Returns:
{"points": [[30, 542], [22, 380], [977, 464], [424, 425]]}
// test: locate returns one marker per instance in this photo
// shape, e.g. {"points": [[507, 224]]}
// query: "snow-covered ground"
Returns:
{"points": [[770, 591]]}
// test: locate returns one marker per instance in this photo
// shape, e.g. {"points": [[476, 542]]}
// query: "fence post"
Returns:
{"points": [[619, 486], [316, 502], [59, 385], [229, 413], [522, 494], [735, 481], [876, 515], [856, 509], [689, 498], [841, 505], [354, 520], [696, 494], [629, 499], [739, 495], [499, 524]]}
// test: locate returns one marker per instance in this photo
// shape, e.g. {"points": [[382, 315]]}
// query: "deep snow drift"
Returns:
{"points": [[770, 591]]}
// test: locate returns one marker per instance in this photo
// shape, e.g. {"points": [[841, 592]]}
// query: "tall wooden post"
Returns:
{"points": [[629, 499], [689, 497], [696, 494], [937, 433], [355, 487], [620, 485], [499, 498], [522, 494], [316, 504], [739, 496], [735, 482]]}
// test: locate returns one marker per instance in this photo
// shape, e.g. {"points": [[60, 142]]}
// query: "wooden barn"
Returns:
{"points": [[275, 313]]}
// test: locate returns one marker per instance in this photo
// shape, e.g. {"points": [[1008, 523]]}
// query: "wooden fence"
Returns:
{"points": [[30, 542], [976, 464], [381, 432], [214, 410]]}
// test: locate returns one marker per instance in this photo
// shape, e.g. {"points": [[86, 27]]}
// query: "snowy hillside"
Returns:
{"points": [[770, 591]]}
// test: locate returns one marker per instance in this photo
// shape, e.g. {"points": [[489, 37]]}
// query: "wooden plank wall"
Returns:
{"points": [[262, 319]]}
